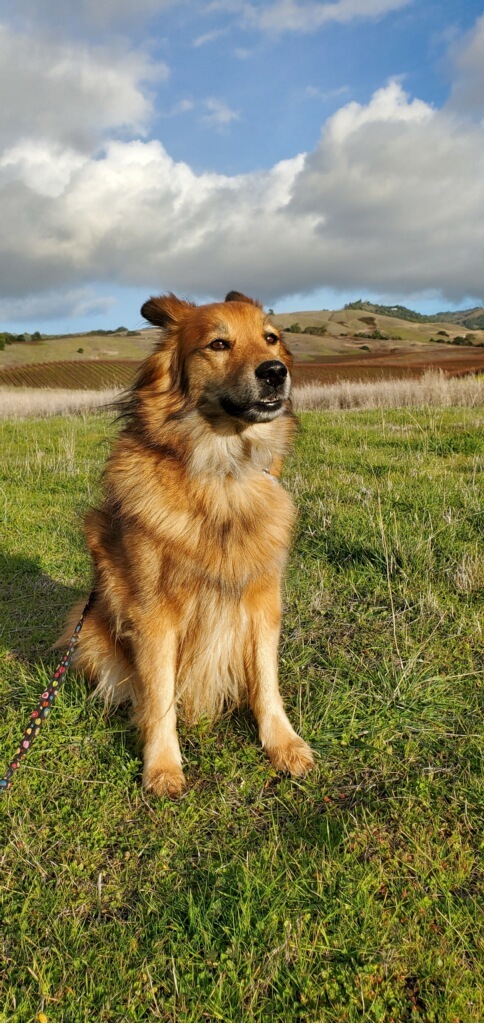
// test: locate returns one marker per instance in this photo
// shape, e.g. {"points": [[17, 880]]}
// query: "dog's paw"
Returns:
{"points": [[165, 781], [293, 756]]}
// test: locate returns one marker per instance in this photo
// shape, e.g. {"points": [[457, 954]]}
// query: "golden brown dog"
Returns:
{"points": [[192, 536]]}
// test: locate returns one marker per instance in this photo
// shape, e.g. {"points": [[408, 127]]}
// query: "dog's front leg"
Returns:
{"points": [[155, 711], [287, 751]]}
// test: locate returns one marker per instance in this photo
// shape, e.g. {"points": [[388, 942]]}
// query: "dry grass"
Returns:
{"points": [[432, 389], [20, 403]]}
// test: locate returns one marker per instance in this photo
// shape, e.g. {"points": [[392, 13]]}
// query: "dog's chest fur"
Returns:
{"points": [[223, 518]]}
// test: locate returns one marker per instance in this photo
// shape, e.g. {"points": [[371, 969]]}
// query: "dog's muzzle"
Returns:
{"points": [[262, 396]]}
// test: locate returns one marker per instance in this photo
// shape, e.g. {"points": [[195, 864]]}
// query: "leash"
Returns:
{"points": [[45, 702]]}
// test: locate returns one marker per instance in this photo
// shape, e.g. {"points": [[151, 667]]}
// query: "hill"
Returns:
{"points": [[470, 318], [377, 328], [361, 330], [95, 345]]}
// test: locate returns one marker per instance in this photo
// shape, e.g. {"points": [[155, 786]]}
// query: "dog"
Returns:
{"points": [[191, 539]]}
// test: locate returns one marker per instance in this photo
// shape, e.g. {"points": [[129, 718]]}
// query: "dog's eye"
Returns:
{"points": [[272, 339], [218, 344]]}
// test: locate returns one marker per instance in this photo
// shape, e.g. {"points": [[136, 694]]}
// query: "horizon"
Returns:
{"points": [[149, 327]]}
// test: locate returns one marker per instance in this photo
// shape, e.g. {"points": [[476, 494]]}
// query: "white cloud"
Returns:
{"points": [[218, 113], [37, 309], [68, 92], [209, 37], [315, 93], [305, 15], [101, 14], [181, 107], [468, 92], [46, 168], [391, 199], [397, 191], [387, 106]]}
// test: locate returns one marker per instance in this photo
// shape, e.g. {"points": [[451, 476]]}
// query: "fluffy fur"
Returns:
{"points": [[191, 539]]}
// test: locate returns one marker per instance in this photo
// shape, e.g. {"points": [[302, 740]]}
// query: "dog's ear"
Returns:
{"points": [[165, 310], [239, 297]]}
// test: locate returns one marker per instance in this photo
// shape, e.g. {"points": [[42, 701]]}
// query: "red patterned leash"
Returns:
{"points": [[45, 703]]}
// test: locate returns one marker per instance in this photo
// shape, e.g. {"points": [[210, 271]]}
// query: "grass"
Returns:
{"points": [[19, 403], [432, 389], [78, 347], [353, 895]]}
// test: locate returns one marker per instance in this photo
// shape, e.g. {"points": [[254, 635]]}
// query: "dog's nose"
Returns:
{"points": [[272, 371]]}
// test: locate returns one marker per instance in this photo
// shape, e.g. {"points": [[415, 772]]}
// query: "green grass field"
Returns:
{"points": [[354, 895]]}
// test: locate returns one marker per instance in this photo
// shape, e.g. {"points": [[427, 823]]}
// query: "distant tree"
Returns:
{"points": [[317, 331], [375, 335]]}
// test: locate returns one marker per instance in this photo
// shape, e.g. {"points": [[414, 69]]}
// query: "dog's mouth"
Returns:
{"points": [[249, 400], [252, 412]]}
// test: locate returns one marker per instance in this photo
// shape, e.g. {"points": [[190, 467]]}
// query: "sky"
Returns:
{"points": [[305, 152]]}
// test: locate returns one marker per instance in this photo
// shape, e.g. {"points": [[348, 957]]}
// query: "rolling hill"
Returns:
{"points": [[363, 339], [473, 318]]}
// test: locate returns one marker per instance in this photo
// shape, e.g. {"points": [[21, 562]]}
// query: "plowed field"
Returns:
{"points": [[378, 366], [91, 375], [95, 375]]}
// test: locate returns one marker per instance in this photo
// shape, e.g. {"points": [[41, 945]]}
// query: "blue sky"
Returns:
{"points": [[303, 151]]}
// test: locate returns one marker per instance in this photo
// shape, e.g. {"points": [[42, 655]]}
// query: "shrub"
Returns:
{"points": [[317, 331], [375, 335]]}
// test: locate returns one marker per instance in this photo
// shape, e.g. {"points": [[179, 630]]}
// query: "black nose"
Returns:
{"points": [[272, 371]]}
